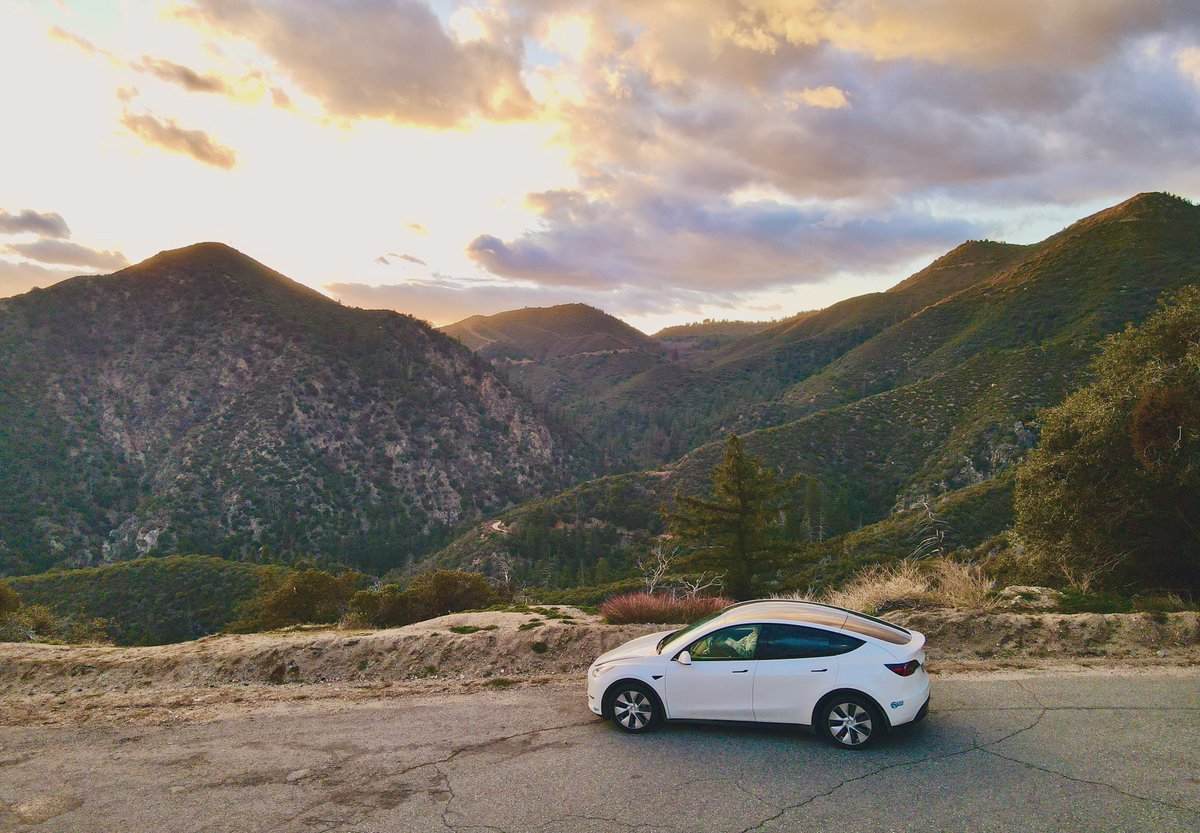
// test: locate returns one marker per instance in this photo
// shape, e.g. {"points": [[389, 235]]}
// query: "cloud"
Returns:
{"points": [[170, 136], [16, 278], [382, 260], [83, 44], [971, 33], [33, 222], [181, 75], [678, 242], [1188, 61], [388, 59], [444, 301], [408, 257], [64, 251], [827, 98]]}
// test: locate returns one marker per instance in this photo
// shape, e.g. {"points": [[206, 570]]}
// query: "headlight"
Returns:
{"points": [[597, 670]]}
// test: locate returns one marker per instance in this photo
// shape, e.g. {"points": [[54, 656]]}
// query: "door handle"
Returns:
{"points": [[819, 670], [741, 671]]}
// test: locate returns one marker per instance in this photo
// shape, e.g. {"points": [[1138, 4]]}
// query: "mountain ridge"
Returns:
{"points": [[943, 401], [200, 401]]}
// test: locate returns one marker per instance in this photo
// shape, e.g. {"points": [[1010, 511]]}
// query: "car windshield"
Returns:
{"points": [[662, 643]]}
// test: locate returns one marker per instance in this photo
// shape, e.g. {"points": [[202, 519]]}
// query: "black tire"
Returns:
{"points": [[850, 721], [634, 707]]}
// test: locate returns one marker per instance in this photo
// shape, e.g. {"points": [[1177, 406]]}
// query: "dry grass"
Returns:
{"points": [[637, 608], [939, 582]]}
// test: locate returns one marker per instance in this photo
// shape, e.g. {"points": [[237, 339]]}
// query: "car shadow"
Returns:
{"points": [[928, 735]]}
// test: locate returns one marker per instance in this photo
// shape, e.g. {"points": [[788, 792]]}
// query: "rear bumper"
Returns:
{"points": [[922, 712], [912, 707]]}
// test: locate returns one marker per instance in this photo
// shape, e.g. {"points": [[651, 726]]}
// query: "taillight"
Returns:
{"points": [[904, 669]]}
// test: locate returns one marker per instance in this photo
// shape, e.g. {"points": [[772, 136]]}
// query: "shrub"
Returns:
{"points": [[471, 628], [427, 596], [303, 597], [939, 582], [38, 623], [637, 608], [151, 601], [439, 592], [388, 607], [539, 647], [364, 608], [1079, 601], [9, 601]]}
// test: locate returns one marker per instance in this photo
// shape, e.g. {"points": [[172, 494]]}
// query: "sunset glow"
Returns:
{"points": [[663, 161]]}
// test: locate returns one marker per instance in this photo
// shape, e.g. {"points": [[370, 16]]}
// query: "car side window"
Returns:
{"points": [[843, 643], [736, 642], [799, 642]]}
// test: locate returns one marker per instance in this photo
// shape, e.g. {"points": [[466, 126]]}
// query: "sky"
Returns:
{"points": [[664, 160]]}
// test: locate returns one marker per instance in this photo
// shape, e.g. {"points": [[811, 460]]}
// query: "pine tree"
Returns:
{"points": [[737, 530], [814, 511]]}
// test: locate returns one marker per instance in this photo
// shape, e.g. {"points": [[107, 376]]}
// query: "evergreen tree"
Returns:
{"points": [[814, 511], [737, 530], [1112, 493]]}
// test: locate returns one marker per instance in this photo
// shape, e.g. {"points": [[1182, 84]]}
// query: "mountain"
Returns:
{"points": [[569, 357], [690, 341], [930, 391], [201, 402], [644, 401], [560, 353], [736, 386], [1084, 282]]}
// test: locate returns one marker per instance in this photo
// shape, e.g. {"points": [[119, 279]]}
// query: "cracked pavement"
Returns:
{"points": [[1104, 751]]}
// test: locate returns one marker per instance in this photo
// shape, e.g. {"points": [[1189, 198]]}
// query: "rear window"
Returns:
{"points": [[798, 642]]}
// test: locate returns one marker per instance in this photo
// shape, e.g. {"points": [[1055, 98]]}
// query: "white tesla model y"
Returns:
{"points": [[848, 675]]}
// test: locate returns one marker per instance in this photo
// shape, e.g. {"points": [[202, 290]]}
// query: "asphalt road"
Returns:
{"points": [[1054, 753]]}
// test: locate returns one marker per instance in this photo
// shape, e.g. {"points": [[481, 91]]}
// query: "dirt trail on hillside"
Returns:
{"points": [[53, 684]]}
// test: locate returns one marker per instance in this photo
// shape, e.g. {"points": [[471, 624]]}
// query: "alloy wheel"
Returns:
{"points": [[850, 724], [633, 709]]}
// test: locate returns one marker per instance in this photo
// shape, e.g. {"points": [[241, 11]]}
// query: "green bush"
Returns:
{"points": [[10, 601], [427, 596], [151, 601], [303, 597], [1077, 601], [439, 592], [38, 623]]}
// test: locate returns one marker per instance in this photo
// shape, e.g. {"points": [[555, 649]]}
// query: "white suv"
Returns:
{"points": [[848, 675]]}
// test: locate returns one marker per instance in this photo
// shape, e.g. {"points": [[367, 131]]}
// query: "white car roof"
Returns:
{"points": [[813, 613]]}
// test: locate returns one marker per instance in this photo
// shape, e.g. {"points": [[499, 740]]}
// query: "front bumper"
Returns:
{"points": [[595, 691]]}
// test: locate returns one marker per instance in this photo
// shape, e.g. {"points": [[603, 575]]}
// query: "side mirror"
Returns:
{"points": [[685, 658]]}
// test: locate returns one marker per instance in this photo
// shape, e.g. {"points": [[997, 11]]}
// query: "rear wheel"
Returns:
{"points": [[850, 722], [635, 708]]}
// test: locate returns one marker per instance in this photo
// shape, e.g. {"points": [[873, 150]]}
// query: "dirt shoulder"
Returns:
{"points": [[49, 684]]}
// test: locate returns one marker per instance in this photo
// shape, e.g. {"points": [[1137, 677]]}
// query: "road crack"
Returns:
{"points": [[783, 809], [1105, 784]]}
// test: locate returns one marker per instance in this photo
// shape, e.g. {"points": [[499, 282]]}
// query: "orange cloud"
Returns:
{"points": [[168, 135]]}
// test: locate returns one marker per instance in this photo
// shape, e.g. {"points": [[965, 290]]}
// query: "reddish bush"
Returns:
{"points": [[631, 608]]}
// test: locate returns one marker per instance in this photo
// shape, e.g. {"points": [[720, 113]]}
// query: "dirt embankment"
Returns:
{"points": [[49, 683]]}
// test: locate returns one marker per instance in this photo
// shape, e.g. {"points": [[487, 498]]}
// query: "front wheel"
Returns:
{"points": [[634, 708], [850, 722]]}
